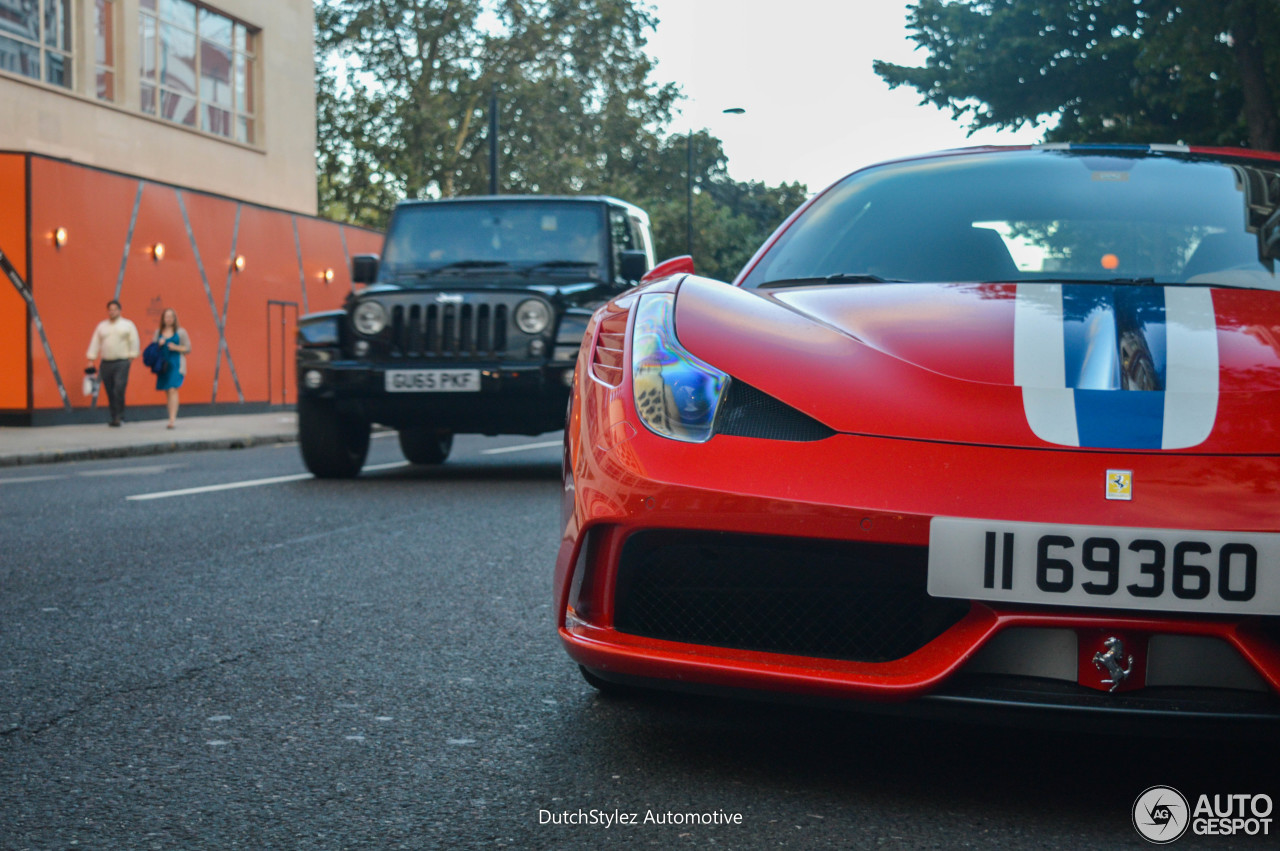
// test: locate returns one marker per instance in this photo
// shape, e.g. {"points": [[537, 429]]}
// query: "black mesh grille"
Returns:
{"points": [[748, 412], [1270, 627], [853, 601]]}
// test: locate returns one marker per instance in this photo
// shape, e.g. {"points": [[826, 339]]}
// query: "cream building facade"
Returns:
{"points": [[216, 96]]}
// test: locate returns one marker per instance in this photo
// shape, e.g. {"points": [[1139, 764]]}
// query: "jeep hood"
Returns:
{"points": [[549, 286], [1090, 366]]}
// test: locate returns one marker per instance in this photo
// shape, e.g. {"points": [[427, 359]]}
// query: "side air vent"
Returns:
{"points": [[610, 347], [748, 412]]}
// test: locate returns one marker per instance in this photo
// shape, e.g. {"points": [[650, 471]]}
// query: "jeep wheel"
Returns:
{"points": [[333, 445], [426, 445]]}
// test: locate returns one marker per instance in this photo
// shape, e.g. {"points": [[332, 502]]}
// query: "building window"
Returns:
{"points": [[104, 24], [35, 39], [198, 68]]}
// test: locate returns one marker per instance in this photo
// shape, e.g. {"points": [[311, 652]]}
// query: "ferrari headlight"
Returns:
{"points": [[676, 394], [533, 316], [369, 318]]}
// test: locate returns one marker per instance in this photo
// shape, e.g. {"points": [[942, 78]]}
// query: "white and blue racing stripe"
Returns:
{"points": [[1090, 317], [1067, 362], [1191, 388], [1111, 147]]}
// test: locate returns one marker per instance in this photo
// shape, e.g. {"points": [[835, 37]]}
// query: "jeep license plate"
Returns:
{"points": [[433, 380]]}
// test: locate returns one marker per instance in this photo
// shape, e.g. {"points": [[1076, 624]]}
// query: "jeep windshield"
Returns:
{"points": [[447, 240], [1097, 216]]}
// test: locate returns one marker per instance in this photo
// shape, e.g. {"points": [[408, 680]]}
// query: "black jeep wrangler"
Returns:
{"points": [[471, 323]]}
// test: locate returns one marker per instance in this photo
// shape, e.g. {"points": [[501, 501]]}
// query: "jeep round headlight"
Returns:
{"points": [[532, 316], [369, 318]]}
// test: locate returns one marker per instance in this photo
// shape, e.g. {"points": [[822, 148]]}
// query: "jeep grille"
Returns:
{"points": [[449, 330]]}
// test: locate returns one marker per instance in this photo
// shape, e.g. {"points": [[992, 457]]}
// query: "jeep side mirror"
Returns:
{"points": [[632, 265], [364, 268]]}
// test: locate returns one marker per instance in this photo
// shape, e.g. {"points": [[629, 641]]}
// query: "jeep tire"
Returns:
{"points": [[333, 444], [425, 445]]}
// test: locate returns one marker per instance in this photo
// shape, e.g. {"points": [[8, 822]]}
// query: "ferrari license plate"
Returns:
{"points": [[1105, 567], [433, 380]]}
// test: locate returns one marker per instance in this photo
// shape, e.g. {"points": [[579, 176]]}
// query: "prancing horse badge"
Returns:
{"points": [[1119, 484], [1117, 664]]}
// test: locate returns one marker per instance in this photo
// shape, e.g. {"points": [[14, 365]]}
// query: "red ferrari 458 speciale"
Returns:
{"points": [[988, 429]]}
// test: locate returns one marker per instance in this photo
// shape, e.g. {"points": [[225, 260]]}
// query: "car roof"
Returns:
{"points": [[577, 199], [1086, 148]]}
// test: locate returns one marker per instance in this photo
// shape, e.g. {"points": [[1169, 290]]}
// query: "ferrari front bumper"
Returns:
{"points": [[844, 524]]}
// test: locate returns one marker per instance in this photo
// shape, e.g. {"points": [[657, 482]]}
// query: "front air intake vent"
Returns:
{"points": [[748, 412], [857, 601], [609, 351]]}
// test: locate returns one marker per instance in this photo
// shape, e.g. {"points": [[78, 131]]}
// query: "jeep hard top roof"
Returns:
{"points": [[559, 199]]}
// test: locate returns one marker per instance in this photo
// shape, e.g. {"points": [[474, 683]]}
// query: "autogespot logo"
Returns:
{"points": [[1160, 814]]}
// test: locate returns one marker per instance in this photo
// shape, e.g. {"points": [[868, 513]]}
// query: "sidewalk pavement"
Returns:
{"points": [[45, 444]]}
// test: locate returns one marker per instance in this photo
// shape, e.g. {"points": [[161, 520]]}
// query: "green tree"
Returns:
{"points": [[404, 87], [403, 97], [1195, 71], [731, 219]]}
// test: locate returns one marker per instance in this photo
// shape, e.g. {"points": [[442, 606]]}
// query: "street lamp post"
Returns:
{"points": [[688, 170], [688, 195], [493, 140]]}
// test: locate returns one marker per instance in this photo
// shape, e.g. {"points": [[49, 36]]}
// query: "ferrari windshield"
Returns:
{"points": [[475, 236], [1108, 215]]}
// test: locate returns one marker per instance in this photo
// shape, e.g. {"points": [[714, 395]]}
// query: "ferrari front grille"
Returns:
{"points": [[834, 600], [449, 330]]}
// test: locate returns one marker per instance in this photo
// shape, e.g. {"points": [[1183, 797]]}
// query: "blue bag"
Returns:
{"points": [[155, 358]]}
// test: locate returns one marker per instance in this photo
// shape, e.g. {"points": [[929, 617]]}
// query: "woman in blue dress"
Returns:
{"points": [[174, 340]]}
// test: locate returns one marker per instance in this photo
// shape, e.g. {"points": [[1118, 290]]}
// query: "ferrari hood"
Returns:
{"points": [[1092, 366]]}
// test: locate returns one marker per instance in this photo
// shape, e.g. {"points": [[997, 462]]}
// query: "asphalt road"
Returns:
{"points": [[372, 664]]}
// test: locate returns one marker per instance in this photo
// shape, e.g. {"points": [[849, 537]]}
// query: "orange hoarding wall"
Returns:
{"points": [[262, 235], [13, 308], [195, 286], [114, 224], [72, 283], [322, 255]]}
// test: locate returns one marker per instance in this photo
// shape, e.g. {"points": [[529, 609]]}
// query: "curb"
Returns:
{"points": [[51, 456]]}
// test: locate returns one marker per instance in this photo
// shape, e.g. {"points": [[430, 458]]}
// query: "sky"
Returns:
{"points": [[801, 69]]}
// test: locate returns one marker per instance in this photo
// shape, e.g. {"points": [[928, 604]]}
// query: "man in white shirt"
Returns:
{"points": [[116, 340]]}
